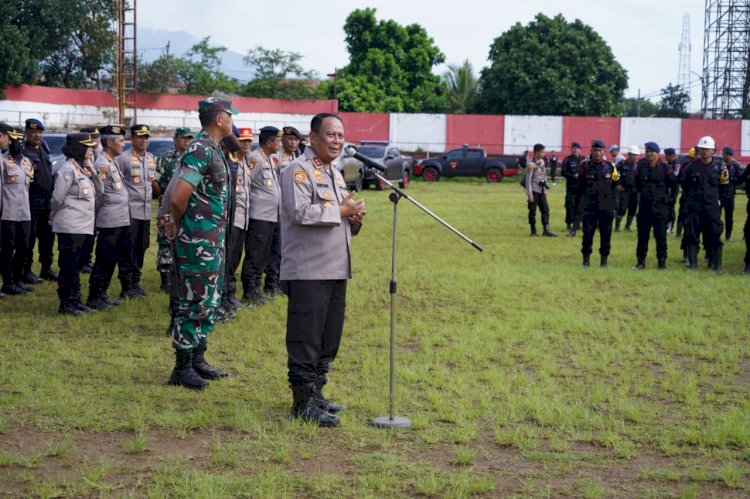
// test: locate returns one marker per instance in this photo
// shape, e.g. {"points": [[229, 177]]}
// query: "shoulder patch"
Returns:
{"points": [[300, 176], [67, 177], [253, 162]]}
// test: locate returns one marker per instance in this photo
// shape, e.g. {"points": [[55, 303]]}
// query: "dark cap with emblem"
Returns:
{"points": [[290, 130], [82, 138], [140, 131], [112, 130], [93, 130], [729, 151], [13, 132], [213, 104], [669, 151], [34, 124], [269, 131], [5, 128], [184, 131], [598, 144], [576, 144], [652, 146]]}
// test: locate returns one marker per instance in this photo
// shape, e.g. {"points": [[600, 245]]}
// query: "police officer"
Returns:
{"points": [[199, 204], [165, 166], [536, 191], [730, 172], [289, 145], [40, 194], [614, 151], [595, 197], [654, 181], [73, 215], [569, 170], [138, 167], [553, 168], [4, 143], [112, 222], [745, 178], [264, 214], [700, 184], [93, 132], [670, 158], [318, 218], [627, 194], [18, 175]]}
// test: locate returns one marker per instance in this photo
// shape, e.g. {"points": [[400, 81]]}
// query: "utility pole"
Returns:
{"points": [[126, 76]]}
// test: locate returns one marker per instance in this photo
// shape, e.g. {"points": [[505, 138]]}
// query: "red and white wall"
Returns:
{"points": [[64, 109]]}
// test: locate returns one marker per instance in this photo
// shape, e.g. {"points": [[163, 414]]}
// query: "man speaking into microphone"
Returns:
{"points": [[318, 219]]}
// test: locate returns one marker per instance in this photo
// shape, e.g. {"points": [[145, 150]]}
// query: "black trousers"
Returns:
{"points": [[112, 248], [274, 260], [627, 202], [540, 200], [570, 207], [70, 260], [704, 221], [746, 233], [257, 252], [14, 249], [315, 322], [140, 240], [656, 218], [235, 245], [727, 206], [592, 220], [41, 231]]}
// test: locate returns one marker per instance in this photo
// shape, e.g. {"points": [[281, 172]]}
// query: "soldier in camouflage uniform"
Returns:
{"points": [[165, 167], [199, 208]]}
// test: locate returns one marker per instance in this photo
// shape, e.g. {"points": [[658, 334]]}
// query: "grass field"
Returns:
{"points": [[523, 375]]}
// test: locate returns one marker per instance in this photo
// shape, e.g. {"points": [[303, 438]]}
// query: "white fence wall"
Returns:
{"points": [[418, 131], [522, 132], [667, 132]]}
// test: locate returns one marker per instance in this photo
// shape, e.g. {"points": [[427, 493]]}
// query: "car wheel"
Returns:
{"points": [[359, 183], [405, 179], [494, 175], [430, 174], [380, 185]]}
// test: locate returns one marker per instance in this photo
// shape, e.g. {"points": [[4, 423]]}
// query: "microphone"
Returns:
{"points": [[352, 153]]}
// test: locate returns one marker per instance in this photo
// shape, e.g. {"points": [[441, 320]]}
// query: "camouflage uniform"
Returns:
{"points": [[165, 167], [199, 246]]}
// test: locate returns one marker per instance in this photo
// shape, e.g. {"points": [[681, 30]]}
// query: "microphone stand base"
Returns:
{"points": [[388, 422]]}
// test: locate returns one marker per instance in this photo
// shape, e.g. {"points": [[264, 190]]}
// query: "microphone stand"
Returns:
{"points": [[393, 421]]}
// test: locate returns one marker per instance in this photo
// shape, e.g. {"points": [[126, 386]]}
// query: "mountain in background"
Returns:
{"points": [[152, 44]]}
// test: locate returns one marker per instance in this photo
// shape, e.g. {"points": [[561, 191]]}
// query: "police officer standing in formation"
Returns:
{"points": [[570, 168], [654, 181], [700, 184], [727, 188], [553, 168], [89, 249], [265, 197], [17, 176], [112, 222], [595, 197], [616, 155], [40, 196], [138, 167], [165, 166], [627, 194], [240, 220], [73, 214], [289, 145], [199, 211], [670, 158], [318, 219], [745, 178], [536, 191]]}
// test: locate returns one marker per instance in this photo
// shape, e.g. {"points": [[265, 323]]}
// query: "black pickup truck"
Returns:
{"points": [[466, 162]]}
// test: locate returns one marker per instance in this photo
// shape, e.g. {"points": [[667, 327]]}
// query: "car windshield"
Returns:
{"points": [[372, 151]]}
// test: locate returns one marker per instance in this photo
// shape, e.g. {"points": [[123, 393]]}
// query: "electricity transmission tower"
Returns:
{"points": [[683, 72]]}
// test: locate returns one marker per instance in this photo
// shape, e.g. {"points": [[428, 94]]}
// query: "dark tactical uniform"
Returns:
{"points": [[40, 195], [165, 167], [17, 177], [700, 186], [553, 168], [730, 173], [595, 198], [569, 170], [627, 200], [655, 186], [672, 219], [745, 178]]}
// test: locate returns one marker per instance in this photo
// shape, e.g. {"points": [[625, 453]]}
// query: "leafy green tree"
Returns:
{"points": [[279, 75], [551, 67], [461, 87], [674, 102], [158, 76], [390, 67], [630, 107], [17, 66], [199, 70]]}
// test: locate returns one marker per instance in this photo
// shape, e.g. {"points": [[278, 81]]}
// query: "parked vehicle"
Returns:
{"points": [[351, 168], [466, 162], [397, 166]]}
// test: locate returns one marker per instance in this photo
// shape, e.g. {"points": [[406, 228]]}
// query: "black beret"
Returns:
{"points": [[669, 150], [598, 143], [34, 124]]}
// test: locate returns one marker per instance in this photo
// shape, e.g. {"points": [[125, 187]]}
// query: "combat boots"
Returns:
{"points": [[747, 269], [692, 257], [303, 408], [628, 224], [604, 261], [203, 368], [321, 401], [717, 260], [618, 221], [95, 302], [67, 308], [183, 373], [678, 233], [254, 296], [586, 261], [31, 278], [640, 265], [547, 232], [48, 274], [533, 231], [165, 285], [662, 264]]}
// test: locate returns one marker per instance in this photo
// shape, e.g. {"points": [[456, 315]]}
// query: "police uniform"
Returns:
{"points": [[287, 158], [264, 215], [745, 178], [569, 170], [315, 267], [73, 218], [536, 186], [40, 194], [627, 199], [730, 173], [137, 173], [675, 166], [241, 182], [655, 185], [700, 185], [113, 229], [596, 199], [18, 175]]}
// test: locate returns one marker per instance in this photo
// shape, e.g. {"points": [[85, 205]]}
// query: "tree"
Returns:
{"points": [[674, 102], [461, 87], [17, 66], [158, 76], [390, 67], [279, 75], [632, 108], [551, 67], [199, 70]]}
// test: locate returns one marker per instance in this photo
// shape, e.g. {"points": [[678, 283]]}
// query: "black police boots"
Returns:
{"points": [[692, 257], [254, 296], [604, 261], [640, 265], [717, 260], [183, 373], [547, 232], [586, 261], [662, 264], [618, 221], [68, 308], [96, 302], [48, 274], [747, 269], [533, 231], [628, 224], [31, 278], [165, 282], [321, 401], [203, 368], [304, 408]]}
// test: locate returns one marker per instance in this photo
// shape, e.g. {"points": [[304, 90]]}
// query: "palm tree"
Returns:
{"points": [[462, 86]]}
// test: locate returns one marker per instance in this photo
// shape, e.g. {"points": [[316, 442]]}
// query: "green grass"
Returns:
{"points": [[523, 374]]}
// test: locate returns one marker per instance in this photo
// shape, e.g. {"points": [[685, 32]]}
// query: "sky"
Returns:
{"points": [[644, 35]]}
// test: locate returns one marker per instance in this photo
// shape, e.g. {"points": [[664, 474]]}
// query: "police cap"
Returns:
{"points": [[112, 130], [576, 144], [652, 146], [598, 144], [290, 130], [669, 151], [729, 151], [140, 131], [34, 124]]}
